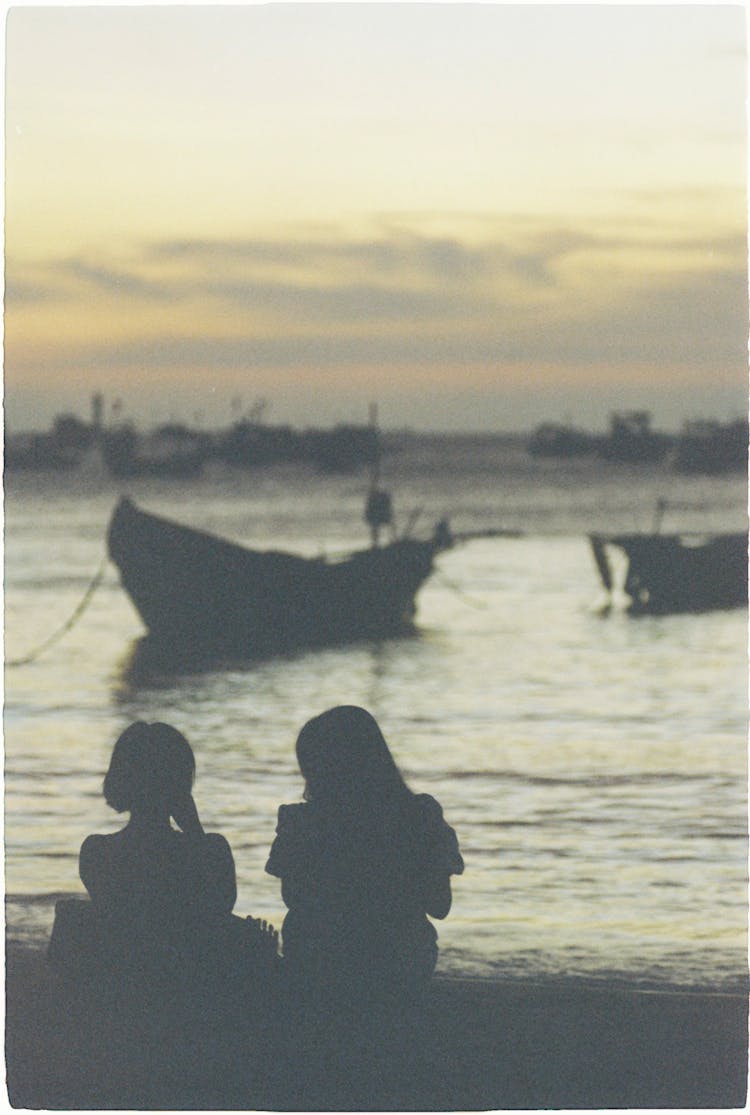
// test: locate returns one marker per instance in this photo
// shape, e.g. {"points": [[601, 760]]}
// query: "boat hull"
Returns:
{"points": [[675, 573], [196, 592]]}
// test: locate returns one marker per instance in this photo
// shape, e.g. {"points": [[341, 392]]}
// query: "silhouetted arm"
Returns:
{"points": [[220, 877], [288, 858], [443, 860], [185, 814], [437, 895], [293, 889]]}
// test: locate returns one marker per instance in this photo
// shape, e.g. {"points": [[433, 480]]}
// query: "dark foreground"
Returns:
{"points": [[475, 1045]]}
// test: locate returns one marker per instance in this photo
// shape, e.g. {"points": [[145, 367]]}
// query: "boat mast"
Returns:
{"points": [[378, 510], [661, 507]]}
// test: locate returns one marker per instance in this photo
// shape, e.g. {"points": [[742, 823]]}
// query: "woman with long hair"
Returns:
{"points": [[363, 863]]}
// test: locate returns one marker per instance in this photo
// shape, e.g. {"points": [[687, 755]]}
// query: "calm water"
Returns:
{"points": [[594, 767]]}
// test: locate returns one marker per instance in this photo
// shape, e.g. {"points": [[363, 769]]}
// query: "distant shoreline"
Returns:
{"points": [[485, 1045]]}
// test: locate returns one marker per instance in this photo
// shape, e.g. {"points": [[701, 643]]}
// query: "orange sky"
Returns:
{"points": [[481, 216]]}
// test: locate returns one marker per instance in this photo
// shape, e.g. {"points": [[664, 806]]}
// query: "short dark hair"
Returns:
{"points": [[150, 764]]}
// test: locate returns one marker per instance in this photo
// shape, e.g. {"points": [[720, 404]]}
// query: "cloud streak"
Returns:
{"points": [[115, 281], [548, 294], [684, 322]]}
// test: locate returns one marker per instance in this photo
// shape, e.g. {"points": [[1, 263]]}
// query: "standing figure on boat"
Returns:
{"points": [[363, 863]]}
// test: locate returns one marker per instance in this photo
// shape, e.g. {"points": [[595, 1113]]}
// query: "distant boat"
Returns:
{"points": [[168, 452], [197, 593], [344, 448], [552, 439], [669, 573], [712, 448], [38, 453], [341, 449], [631, 439], [248, 444]]}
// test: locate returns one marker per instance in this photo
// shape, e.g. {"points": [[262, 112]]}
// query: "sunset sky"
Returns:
{"points": [[480, 216]]}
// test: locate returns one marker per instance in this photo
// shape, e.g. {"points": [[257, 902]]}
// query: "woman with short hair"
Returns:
{"points": [[161, 897]]}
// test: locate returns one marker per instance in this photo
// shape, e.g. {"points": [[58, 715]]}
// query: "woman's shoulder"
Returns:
{"points": [[216, 841], [428, 809], [211, 846], [218, 851], [292, 818], [95, 846], [95, 858], [104, 839]]}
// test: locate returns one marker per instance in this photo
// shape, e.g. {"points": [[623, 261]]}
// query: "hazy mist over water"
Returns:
{"points": [[594, 767]]}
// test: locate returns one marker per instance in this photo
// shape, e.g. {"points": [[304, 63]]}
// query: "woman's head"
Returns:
{"points": [[152, 766], [344, 759]]}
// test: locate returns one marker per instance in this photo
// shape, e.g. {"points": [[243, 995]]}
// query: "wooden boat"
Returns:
{"points": [[678, 572], [196, 592]]}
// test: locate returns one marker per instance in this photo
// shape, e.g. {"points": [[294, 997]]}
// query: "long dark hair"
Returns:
{"points": [[346, 763]]}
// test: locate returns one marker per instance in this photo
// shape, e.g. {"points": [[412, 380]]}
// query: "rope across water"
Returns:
{"points": [[78, 611]]}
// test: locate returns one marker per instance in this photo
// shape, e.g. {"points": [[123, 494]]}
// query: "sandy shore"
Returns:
{"points": [[475, 1045]]}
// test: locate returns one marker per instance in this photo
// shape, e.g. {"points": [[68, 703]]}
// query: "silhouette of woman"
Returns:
{"points": [[167, 987], [362, 862], [161, 899]]}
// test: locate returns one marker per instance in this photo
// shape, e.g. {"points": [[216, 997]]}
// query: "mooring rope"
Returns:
{"points": [[78, 611], [465, 596]]}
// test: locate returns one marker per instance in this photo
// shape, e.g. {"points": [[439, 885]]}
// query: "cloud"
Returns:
{"points": [[531, 254], [28, 292], [363, 275], [343, 304], [444, 258], [691, 320], [686, 322], [534, 293], [110, 280]]}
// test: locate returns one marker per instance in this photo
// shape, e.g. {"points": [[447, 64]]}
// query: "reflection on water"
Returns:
{"points": [[149, 663], [594, 767]]}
